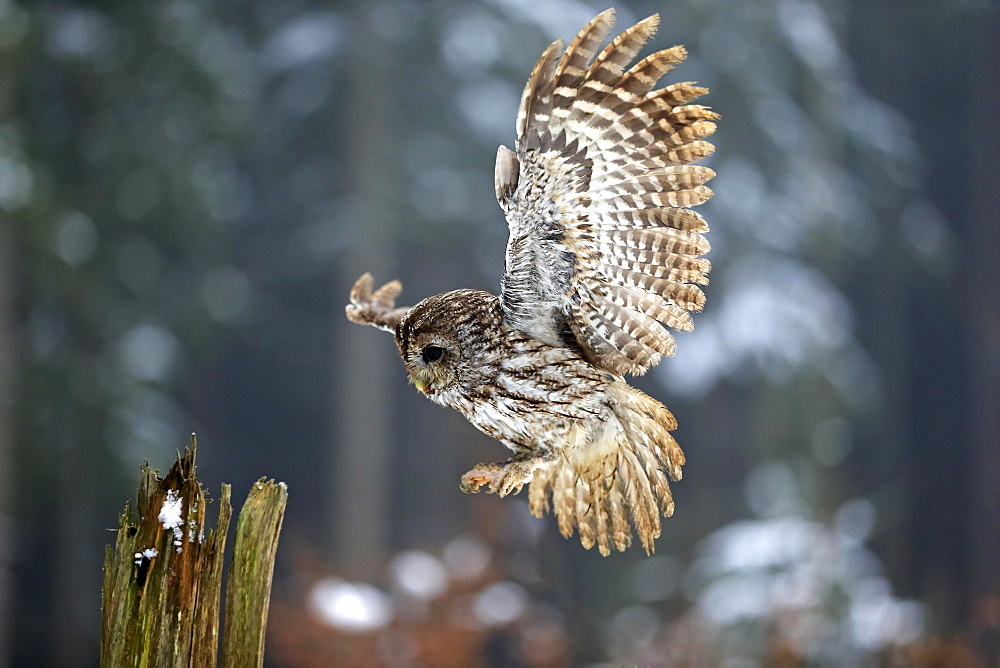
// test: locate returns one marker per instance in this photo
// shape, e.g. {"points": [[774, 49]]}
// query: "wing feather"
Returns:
{"points": [[604, 247], [536, 101], [378, 307]]}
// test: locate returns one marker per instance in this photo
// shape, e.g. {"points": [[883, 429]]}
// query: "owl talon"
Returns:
{"points": [[473, 480], [503, 479]]}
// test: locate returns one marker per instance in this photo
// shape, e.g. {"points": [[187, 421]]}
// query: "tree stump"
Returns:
{"points": [[163, 577]]}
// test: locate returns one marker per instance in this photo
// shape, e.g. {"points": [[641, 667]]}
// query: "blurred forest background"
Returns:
{"points": [[189, 188]]}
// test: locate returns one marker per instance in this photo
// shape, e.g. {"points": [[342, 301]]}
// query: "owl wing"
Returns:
{"points": [[376, 308], [603, 246]]}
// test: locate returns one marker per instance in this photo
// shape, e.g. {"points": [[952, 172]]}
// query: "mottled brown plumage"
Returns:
{"points": [[603, 249]]}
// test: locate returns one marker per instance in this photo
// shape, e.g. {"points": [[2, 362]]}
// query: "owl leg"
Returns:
{"points": [[506, 478]]}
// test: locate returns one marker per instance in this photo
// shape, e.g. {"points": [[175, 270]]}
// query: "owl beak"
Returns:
{"points": [[423, 383]]}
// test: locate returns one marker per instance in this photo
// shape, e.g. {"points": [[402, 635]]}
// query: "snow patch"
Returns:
{"points": [[148, 553], [170, 516]]}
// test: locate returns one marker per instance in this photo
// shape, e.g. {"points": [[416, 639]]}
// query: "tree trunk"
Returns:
{"points": [[7, 375], [983, 284], [361, 436]]}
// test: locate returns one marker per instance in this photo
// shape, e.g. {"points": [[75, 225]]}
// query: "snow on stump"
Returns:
{"points": [[163, 577]]}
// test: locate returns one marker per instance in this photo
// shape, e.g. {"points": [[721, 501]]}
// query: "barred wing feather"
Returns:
{"points": [[604, 245]]}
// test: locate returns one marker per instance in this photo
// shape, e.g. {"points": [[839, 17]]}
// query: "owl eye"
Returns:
{"points": [[432, 353]]}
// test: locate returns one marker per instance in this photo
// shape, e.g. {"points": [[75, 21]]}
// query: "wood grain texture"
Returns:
{"points": [[248, 590]]}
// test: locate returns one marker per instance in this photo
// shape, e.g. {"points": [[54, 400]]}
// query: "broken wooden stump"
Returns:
{"points": [[163, 577]]}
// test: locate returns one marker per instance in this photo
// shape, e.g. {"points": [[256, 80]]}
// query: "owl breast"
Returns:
{"points": [[541, 398]]}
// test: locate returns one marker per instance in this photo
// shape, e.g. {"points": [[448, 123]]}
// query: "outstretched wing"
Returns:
{"points": [[377, 308], [603, 246]]}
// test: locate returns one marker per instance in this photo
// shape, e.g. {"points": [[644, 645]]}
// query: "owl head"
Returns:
{"points": [[447, 342]]}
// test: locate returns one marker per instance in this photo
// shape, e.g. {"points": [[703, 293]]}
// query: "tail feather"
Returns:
{"points": [[617, 480], [603, 516], [645, 513], [621, 534], [540, 490], [564, 501], [586, 517]]}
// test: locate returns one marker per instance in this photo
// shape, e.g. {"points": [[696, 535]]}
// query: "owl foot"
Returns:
{"points": [[503, 479]]}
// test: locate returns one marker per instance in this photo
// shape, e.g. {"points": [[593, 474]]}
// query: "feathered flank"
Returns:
{"points": [[375, 308], [603, 241]]}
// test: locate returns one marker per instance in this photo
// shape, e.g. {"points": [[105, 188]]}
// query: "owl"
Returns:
{"points": [[603, 256]]}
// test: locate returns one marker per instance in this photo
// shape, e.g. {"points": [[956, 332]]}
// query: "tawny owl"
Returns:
{"points": [[603, 248]]}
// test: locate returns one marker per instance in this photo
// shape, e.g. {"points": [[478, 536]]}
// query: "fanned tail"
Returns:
{"points": [[599, 489]]}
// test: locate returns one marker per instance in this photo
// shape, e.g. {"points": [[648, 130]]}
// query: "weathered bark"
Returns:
{"points": [[159, 595], [248, 591]]}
